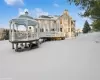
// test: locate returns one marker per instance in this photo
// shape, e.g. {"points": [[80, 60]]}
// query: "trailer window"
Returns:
{"points": [[52, 30], [21, 28], [42, 30]]}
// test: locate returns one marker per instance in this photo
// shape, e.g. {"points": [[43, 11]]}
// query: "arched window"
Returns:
{"points": [[21, 28]]}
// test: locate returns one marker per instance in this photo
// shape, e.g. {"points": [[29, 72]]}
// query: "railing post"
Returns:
{"points": [[13, 46], [10, 31], [27, 28], [13, 34]]}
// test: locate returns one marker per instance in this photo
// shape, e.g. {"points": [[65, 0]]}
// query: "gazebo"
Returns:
{"points": [[24, 30]]}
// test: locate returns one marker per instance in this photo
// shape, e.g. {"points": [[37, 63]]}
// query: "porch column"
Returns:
{"points": [[26, 28], [38, 30], [10, 32], [17, 27], [13, 33], [70, 27], [43, 26], [59, 26], [50, 26]]}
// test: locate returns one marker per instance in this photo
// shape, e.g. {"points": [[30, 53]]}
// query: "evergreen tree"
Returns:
{"points": [[86, 28]]}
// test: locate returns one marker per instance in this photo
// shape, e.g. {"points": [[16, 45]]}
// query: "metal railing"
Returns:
{"points": [[52, 34], [23, 36]]}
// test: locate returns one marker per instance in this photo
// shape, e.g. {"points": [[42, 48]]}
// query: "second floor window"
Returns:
{"points": [[60, 29], [42, 30]]}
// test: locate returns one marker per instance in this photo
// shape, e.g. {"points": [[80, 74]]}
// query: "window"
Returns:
{"points": [[72, 29], [41, 30], [60, 29], [29, 27], [21, 28], [52, 30]]}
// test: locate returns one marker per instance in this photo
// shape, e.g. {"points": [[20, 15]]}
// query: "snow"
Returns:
{"points": [[70, 59]]}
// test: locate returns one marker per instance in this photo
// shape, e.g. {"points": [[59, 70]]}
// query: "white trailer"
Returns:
{"points": [[50, 28], [24, 32]]}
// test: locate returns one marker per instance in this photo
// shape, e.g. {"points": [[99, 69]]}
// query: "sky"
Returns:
{"points": [[13, 8]]}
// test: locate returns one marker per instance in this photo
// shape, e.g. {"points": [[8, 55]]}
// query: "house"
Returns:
{"points": [[68, 24]]}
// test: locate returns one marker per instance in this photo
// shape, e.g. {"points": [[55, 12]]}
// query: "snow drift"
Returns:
{"points": [[70, 59]]}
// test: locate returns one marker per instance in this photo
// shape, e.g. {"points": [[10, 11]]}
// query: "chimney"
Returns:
{"points": [[65, 12]]}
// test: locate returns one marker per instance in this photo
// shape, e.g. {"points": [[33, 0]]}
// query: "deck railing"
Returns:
{"points": [[52, 34], [23, 36]]}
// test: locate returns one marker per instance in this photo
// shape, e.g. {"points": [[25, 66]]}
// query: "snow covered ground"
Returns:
{"points": [[70, 59]]}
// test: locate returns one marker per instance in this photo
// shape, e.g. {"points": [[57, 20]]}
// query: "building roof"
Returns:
{"points": [[24, 20], [47, 17], [44, 16], [25, 17]]}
